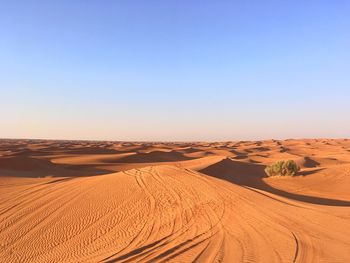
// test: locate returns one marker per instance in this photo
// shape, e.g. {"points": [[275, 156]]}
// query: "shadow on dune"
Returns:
{"points": [[20, 166], [310, 163], [239, 155], [155, 157], [60, 150], [251, 175], [261, 149], [283, 149]]}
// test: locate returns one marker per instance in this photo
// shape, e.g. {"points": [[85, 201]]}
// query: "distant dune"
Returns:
{"points": [[79, 201]]}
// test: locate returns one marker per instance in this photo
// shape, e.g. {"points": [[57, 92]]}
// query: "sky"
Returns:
{"points": [[174, 70]]}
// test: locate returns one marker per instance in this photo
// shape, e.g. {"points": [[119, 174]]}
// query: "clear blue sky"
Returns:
{"points": [[174, 70]]}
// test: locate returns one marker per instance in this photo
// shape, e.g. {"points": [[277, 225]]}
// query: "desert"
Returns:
{"points": [[106, 201], [174, 131]]}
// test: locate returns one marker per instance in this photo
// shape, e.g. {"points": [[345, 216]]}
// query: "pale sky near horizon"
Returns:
{"points": [[174, 70]]}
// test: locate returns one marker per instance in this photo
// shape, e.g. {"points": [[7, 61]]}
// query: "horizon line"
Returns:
{"points": [[180, 141]]}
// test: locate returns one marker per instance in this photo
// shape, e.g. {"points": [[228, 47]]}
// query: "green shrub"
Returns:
{"points": [[282, 168]]}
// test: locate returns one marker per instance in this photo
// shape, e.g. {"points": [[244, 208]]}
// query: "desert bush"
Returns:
{"points": [[282, 168]]}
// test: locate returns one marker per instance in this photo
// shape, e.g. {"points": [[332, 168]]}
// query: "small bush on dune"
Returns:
{"points": [[274, 169], [282, 168]]}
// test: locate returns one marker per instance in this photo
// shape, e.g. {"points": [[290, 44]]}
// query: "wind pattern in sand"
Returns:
{"points": [[80, 201]]}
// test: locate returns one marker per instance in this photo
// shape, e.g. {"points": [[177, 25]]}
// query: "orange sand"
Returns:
{"points": [[79, 201]]}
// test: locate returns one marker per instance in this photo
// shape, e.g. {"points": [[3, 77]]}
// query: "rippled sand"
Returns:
{"points": [[81, 201]]}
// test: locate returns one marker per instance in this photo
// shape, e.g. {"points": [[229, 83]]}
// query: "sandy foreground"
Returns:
{"points": [[80, 201]]}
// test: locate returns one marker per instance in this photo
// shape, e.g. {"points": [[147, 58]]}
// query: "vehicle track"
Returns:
{"points": [[163, 214]]}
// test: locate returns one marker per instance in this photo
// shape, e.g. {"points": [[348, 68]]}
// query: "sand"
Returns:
{"points": [[82, 201]]}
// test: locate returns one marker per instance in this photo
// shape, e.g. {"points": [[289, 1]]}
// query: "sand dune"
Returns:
{"points": [[64, 202]]}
